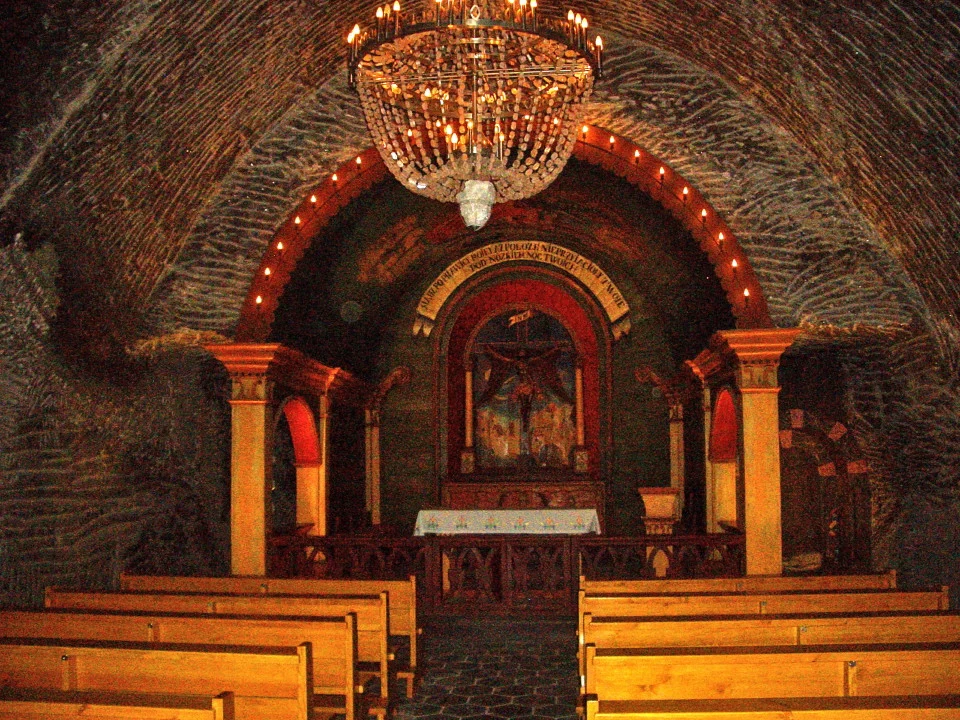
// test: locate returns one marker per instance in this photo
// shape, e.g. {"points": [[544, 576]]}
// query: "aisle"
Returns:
{"points": [[496, 669]]}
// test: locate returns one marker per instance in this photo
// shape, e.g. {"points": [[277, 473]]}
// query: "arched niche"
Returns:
{"points": [[559, 302], [310, 496], [722, 503]]}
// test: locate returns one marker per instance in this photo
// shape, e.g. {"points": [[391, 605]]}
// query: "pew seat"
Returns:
{"points": [[936, 707], [31, 704], [773, 672], [268, 683], [333, 639], [401, 599]]}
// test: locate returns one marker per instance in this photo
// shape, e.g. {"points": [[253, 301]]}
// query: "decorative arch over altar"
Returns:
{"points": [[518, 324], [582, 269]]}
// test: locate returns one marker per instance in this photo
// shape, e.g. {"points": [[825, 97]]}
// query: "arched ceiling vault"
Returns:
{"points": [[825, 133]]}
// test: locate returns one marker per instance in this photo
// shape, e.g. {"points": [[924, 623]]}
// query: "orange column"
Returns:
{"points": [[757, 355], [252, 425]]}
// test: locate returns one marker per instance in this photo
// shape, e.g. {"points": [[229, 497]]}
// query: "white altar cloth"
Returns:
{"points": [[546, 521]]}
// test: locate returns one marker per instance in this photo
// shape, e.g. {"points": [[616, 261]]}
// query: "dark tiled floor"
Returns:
{"points": [[496, 669]]}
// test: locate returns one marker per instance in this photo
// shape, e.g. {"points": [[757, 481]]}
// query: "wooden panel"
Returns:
{"points": [[810, 671], [333, 639], [401, 594], [771, 630], [276, 681], [31, 704], [850, 708], [370, 610], [755, 583], [763, 603]]}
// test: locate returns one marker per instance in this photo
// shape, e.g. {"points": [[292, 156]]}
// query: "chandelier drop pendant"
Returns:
{"points": [[474, 102]]}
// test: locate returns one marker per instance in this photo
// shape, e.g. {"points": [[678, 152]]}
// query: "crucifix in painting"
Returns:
{"points": [[523, 392]]}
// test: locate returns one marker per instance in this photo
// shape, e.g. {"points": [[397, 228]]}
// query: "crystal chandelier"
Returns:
{"points": [[474, 102]]}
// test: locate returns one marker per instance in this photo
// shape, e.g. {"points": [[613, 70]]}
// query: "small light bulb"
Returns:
{"points": [[313, 199], [612, 140], [734, 264], [259, 300], [280, 246], [266, 272], [703, 214], [333, 177], [359, 160], [569, 14], [296, 221], [746, 292]]}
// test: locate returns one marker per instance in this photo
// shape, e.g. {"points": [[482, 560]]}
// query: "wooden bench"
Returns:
{"points": [[752, 583], [936, 707], [695, 631], [267, 683], [333, 639], [370, 611], [401, 598], [31, 704], [749, 603], [773, 672]]}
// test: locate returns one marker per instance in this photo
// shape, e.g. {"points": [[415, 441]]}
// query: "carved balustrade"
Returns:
{"points": [[505, 572]]}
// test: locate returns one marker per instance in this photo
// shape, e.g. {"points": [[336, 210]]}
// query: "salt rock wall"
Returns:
{"points": [[122, 466]]}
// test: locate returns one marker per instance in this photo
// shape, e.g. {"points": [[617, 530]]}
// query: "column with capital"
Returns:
{"points": [[757, 357], [250, 456]]}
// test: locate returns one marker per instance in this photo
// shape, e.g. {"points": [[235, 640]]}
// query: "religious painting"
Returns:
{"points": [[524, 392]]}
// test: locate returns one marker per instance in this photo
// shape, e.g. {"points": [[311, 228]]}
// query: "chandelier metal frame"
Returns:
{"points": [[474, 102]]}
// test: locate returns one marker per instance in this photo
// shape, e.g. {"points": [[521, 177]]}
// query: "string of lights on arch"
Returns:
{"points": [[594, 145]]}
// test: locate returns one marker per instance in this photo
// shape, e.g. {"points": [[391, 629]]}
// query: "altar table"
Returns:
{"points": [[547, 521]]}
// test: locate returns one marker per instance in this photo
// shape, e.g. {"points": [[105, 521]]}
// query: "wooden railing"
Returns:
{"points": [[507, 572]]}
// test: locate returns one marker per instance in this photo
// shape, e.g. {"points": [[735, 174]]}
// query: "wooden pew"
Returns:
{"points": [[267, 683], [27, 704], [750, 603], [720, 631], [370, 610], [401, 598], [773, 672], [753, 583], [333, 639], [937, 707]]}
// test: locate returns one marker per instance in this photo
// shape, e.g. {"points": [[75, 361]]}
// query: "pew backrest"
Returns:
{"points": [[770, 672], [933, 707], [401, 594], [267, 683], [333, 639], [765, 630], [370, 610], [31, 704], [752, 583], [749, 603]]}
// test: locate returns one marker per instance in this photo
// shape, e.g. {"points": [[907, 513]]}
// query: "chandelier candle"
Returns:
{"points": [[484, 92]]}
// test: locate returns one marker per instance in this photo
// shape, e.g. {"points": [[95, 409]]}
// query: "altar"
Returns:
{"points": [[549, 521], [524, 493]]}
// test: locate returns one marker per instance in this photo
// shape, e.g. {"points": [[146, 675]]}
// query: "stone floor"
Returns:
{"points": [[495, 669]]}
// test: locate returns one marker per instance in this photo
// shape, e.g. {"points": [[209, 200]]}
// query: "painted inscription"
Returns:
{"points": [[593, 278]]}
